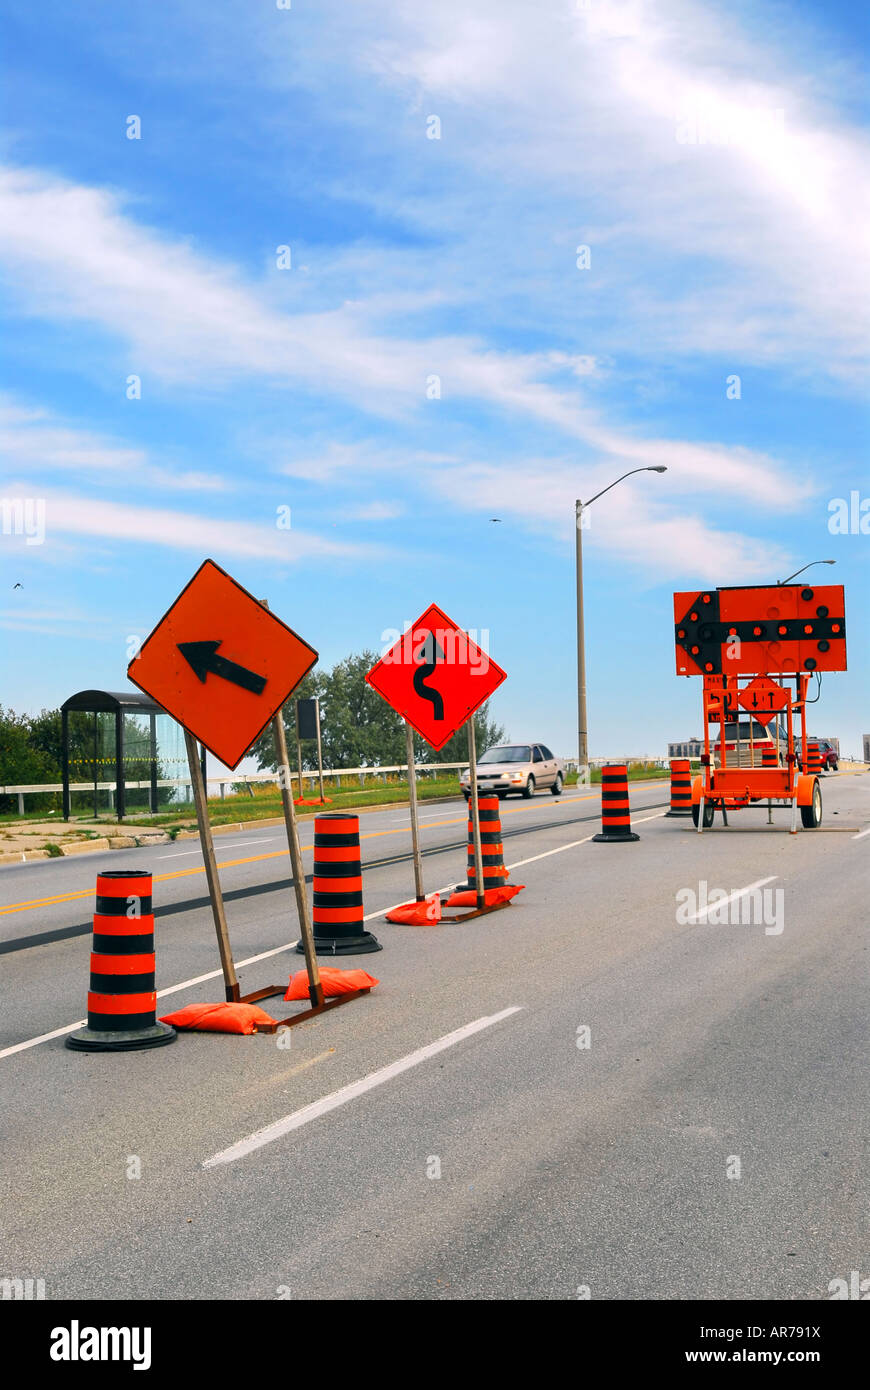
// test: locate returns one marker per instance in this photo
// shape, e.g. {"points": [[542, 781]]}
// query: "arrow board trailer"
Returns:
{"points": [[751, 644]]}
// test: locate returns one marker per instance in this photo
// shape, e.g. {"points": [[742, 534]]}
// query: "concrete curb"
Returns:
{"points": [[23, 856], [83, 847]]}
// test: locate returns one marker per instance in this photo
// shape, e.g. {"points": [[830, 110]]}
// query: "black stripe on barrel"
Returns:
{"points": [[122, 998], [337, 914], [681, 788], [491, 849], [615, 808]]}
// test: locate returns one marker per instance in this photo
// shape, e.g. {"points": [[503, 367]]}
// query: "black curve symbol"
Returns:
{"points": [[432, 649]]}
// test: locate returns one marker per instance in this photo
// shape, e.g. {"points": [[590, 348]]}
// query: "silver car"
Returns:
{"points": [[516, 767]]}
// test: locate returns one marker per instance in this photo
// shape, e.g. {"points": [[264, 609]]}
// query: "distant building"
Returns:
{"points": [[692, 748], [866, 738]]}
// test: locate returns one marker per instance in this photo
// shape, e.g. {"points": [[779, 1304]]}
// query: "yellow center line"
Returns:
{"points": [[258, 858]]}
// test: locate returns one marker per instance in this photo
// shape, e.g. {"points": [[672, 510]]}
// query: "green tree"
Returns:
{"points": [[45, 734], [486, 734], [264, 747], [359, 728], [22, 763]]}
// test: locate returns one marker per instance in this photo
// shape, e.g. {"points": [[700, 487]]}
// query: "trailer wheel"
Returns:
{"points": [[811, 816], [709, 809]]}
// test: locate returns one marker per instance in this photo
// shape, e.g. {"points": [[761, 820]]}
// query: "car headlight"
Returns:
{"points": [[517, 777]]}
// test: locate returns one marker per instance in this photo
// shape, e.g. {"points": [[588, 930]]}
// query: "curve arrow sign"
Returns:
{"points": [[432, 652]]}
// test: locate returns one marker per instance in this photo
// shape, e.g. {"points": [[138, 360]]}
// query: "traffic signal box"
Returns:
{"points": [[748, 644]]}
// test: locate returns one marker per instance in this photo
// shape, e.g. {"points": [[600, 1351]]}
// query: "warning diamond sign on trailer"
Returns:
{"points": [[763, 698], [221, 663], [435, 676]]}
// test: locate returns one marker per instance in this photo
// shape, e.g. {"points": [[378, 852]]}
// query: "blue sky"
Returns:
{"points": [[713, 159]]}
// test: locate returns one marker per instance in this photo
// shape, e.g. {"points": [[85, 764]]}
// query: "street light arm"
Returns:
{"points": [[631, 471], [805, 567]]}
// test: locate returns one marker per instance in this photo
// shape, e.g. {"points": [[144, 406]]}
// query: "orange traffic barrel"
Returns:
{"points": [[768, 755], [681, 787], [813, 764], [339, 928], [122, 1000], [491, 849], [615, 810]]}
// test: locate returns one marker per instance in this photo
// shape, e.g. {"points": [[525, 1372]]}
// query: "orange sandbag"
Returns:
{"points": [[491, 896], [417, 914], [219, 1018], [334, 982]]}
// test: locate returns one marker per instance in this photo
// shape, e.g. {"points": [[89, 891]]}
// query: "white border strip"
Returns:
{"points": [[279, 1128]]}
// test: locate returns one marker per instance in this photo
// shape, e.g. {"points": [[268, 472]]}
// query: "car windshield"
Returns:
{"points": [[510, 753]]}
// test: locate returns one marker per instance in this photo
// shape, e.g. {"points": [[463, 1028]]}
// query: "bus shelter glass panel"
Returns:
{"points": [[92, 762], [139, 762], [171, 760]]}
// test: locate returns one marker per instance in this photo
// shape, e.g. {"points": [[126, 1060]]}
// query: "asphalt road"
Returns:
{"points": [[714, 1049]]}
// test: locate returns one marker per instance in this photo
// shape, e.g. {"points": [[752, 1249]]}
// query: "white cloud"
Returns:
{"points": [[71, 514], [33, 439], [375, 511], [189, 317], [561, 109], [636, 521]]}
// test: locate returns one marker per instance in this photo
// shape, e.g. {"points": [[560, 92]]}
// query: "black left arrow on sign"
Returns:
{"points": [[204, 661], [430, 652]]}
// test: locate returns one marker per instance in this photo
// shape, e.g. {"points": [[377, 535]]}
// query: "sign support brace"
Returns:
{"points": [[475, 814], [315, 988], [415, 818], [231, 982]]}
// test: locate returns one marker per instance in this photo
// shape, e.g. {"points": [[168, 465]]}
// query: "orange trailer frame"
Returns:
{"points": [[769, 637], [732, 788]]}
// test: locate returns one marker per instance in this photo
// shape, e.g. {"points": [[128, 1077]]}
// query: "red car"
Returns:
{"points": [[827, 751]]}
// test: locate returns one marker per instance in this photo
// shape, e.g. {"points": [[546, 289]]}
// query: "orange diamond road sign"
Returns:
{"points": [[221, 663], [435, 677], [762, 698]]}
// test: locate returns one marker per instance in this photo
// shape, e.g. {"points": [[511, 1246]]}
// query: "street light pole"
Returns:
{"points": [[582, 730]]}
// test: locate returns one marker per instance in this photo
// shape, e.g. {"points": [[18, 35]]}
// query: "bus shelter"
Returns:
{"points": [[119, 752]]}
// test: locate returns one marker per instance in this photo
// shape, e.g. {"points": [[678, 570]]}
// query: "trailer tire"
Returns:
{"points": [[811, 816], [709, 811]]}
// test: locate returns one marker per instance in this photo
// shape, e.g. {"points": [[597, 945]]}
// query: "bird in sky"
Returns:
{"points": [[17, 586], [495, 518]]}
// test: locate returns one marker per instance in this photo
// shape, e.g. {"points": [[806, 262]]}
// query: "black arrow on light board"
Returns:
{"points": [[205, 661], [431, 650]]}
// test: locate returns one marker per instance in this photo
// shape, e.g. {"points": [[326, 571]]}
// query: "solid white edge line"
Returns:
{"points": [[574, 843], [739, 893], [298, 1118], [518, 864]]}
